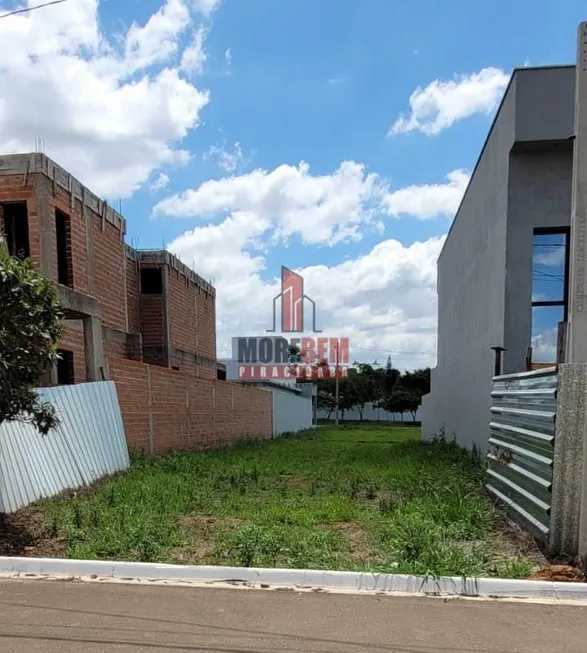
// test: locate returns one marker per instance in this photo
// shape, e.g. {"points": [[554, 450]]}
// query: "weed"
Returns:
{"points": [[370, 492], [52, 530], [354, 488], [296, 502], [78, 519], [515, 568], [95, 517], [386, 505]]}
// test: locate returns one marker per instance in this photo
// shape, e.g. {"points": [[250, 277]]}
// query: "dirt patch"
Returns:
{"points": [[23, 534], [360, 548], [296, 482], [200, 532], [559, 574], [510, 541]]}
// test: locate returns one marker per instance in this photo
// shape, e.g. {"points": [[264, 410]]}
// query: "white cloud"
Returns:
{"points": [[430, 200], [442, 103], [161, 182], [157, 40], [229, 253], [111, 115], [228, 57], [228, 161], [550, 256], [544, 346], [384, 301], [319, 209], [206, 7], [194, 56]]}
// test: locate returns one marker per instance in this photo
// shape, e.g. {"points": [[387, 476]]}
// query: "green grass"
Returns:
{"points": [[366, 497]]}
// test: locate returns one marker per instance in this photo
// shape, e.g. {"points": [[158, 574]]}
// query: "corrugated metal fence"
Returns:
{"points": [[88, 443], [521, 454]]}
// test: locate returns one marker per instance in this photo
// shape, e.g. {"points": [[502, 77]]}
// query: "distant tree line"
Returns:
{"points": [[385, 388]]}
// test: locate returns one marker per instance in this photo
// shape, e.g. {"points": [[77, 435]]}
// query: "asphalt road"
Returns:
{"points": [[62, 616]]}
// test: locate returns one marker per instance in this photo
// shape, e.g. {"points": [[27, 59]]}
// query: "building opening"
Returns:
{"points": [[65, 368], [550, 265], [64, 262], [151, 281], [16, 228]]}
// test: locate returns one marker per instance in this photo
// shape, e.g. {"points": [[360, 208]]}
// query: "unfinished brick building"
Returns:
{"points": [[120, 303]]}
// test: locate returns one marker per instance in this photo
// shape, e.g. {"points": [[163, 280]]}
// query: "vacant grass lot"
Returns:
{"points": [[352, 498]]}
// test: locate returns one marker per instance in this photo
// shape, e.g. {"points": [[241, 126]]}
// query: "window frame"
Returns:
{"points": [[564, 302]]}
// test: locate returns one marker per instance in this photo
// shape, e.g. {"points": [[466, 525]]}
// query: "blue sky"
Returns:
{"points": [[225, 98], [278, 102]]}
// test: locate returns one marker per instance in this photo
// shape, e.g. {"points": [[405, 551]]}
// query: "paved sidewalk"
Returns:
{"points": [[64, 617]]}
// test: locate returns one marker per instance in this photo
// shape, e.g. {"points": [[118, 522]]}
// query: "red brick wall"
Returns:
{"points": [[11, 190], [73, 340], [206, 325], [183, 412], [204, 369], [133, 395], [182, 312], [105, 268], [79, 251], [115, 348], [133, 293], [101, 275], [108, 272], [192, 327], [153, 320]]}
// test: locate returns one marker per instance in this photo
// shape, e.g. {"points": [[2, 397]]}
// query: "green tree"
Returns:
{"points": [[326, 395], [364, 384], [348, 397], [401, 401], [411, 403], [417, 382], [30, 326], [387, 378], [390, 378]]}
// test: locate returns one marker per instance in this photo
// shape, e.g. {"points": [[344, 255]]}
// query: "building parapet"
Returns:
{"points": [[163, 257], [37, 163]]}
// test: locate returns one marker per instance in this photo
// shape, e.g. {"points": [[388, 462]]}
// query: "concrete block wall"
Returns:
{"points": [[164, 409]]}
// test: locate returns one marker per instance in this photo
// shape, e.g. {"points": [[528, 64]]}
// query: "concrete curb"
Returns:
{"points": [[341, 581]]}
